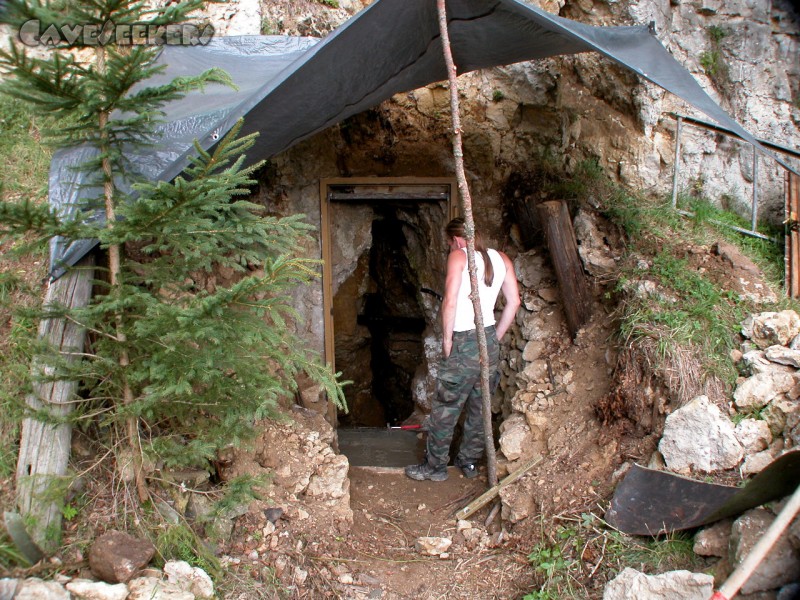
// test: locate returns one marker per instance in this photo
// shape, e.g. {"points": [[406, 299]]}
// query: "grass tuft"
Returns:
{"points": [[179, 542], [29, 161], [577, 556]]}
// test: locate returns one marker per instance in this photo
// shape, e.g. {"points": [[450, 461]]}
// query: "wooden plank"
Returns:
{"points": [[792, 249], [563, 248], [787, 240], [44, 447], [487, 496]]}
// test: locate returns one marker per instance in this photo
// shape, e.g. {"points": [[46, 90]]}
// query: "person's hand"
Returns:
{"points": [[447, 347]]}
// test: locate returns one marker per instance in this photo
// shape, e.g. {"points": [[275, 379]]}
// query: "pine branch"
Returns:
{"points": [[172, 351]]}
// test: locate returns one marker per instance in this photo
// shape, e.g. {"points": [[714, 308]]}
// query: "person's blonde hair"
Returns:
{"points": [[455, 228]]}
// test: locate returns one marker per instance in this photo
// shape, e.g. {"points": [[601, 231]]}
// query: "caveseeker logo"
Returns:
{"points": [[33, 33]]}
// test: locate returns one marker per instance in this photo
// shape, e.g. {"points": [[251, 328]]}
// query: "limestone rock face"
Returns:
{"points": [[515, 436], [713, 540], [85, 589], [150, 588], [309, 480], [237, 17], [755, 463], [8, 588], [432, 546], [594, 252], [517, 503], [190, 578], [757, 391], [754, 435], [36, 589], [331, 479], [783, 356], [698, 436]]}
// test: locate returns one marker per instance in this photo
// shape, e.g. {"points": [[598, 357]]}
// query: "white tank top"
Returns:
{"points": [[465, 314]]}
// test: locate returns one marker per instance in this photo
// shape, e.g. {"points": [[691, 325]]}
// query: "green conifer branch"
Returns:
{"points": [[195, 358]]}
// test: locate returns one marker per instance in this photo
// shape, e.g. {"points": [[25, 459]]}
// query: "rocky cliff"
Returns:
{"points": [[744, 54]]}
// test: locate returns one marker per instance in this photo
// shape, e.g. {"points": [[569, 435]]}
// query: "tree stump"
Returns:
{"points": [[45, 447], [563, 249]]}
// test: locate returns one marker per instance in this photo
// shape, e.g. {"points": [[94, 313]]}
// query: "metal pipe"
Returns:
{"points": [[749, 232], [794, 152], [676, 167], [754, 213]]}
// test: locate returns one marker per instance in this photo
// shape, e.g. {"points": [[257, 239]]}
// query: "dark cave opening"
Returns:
{"points": [[385, 350]]}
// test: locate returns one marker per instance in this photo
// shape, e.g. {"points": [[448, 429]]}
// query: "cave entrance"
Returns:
{"points": [[384, 258]]}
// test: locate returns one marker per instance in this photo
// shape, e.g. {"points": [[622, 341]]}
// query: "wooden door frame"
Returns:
{"points": [[325, 242]]}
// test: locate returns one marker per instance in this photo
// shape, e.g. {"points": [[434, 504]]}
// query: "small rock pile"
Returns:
{"points": [[118, 563], [761, 423], [763, 420], [308, 480]]}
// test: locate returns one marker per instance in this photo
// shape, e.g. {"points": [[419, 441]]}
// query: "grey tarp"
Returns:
{"points": [[292, 88]]}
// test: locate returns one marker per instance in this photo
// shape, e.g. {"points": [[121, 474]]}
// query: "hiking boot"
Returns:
{"points": [[424, 471], [469, 469]]}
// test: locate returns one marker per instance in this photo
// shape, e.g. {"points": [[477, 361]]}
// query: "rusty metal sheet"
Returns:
{"points": [[649, 502]]}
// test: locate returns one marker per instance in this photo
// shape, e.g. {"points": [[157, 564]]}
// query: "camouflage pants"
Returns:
{"points": [[459, 385]]}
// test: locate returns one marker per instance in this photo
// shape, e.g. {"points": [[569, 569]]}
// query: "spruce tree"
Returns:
{"points": [[179, 367]]}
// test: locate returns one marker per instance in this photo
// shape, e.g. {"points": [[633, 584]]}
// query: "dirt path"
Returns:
{"points": [[391, 512]]}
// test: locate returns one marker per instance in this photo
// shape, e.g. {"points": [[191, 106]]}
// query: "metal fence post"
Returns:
{"points": [[677, 161], [754, 214]]}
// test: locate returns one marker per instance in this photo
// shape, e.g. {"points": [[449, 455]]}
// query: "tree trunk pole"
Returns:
{"points": [[44, 447], [469, 226], [758, 552], [115, 268]]}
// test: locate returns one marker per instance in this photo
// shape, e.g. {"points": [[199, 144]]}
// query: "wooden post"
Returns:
{"points": [[792, 243], [569, 269], [757, 553], [45, 447]]}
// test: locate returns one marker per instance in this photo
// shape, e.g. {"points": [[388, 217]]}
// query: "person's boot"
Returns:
{"points": [[424, 471], [469, 469]]}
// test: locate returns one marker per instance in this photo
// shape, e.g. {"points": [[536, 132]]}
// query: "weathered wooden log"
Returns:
{"points": [[45, 447], [563, 249]]}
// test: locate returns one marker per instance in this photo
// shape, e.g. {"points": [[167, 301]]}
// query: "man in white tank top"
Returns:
{"points": [[459, 374]]}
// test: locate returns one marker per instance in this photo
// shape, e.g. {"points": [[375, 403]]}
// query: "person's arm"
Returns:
{"points": [[455, 267], [510, 290]]}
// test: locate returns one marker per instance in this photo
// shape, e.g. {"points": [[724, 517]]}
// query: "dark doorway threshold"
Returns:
{"points": [[380, 447]]}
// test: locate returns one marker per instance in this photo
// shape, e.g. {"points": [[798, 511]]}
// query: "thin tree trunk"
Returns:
{"points": [[114, 268], [469, 226], [44, 447]]}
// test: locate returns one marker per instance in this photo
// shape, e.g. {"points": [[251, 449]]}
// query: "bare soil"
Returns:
{"points": [[584, 452], [377, 558]]}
